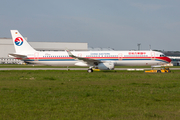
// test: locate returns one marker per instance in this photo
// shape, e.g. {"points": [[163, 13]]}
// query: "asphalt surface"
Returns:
{"points": [[129, 69]]}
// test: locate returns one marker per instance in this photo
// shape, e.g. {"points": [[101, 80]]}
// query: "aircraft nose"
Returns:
{"points": [[168, 59]]}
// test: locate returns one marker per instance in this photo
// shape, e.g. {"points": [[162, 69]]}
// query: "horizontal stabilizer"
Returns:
{"points": [[17, 55]]}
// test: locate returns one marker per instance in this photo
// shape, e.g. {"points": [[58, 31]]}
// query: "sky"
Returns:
{"points": [[118, 24]]}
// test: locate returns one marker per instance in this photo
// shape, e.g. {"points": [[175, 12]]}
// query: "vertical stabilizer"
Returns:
{"points": [[20, 44]]}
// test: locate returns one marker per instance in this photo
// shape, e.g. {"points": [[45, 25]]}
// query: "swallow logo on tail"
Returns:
{"points": [[18, 41]]}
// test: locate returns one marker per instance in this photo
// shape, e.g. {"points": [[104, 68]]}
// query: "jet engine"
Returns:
{"points": [[105, 66]]}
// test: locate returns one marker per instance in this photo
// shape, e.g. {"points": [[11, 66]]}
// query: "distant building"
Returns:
{"points": [[6, 47], [174, 56]]}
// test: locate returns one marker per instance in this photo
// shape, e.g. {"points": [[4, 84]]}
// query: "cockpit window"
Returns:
{"points": [[162, 55]]}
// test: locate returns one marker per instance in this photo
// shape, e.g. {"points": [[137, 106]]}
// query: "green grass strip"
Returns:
{"points": [[78, 95]]}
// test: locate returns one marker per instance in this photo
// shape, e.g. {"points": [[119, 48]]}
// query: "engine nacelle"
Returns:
{"points": [[105, 66]]}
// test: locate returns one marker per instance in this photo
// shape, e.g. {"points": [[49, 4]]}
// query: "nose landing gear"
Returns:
{"points": [[90, 70]]}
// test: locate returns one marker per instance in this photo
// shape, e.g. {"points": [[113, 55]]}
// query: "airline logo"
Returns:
{"points": [[137, 53], [18, 41]]}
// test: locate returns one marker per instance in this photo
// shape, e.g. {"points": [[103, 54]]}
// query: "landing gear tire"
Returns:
{"points": [[90, 70]]}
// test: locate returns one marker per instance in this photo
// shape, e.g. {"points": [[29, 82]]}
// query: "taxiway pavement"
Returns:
{"points": [[129, 69]]}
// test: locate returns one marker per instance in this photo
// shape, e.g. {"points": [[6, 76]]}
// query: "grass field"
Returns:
{"points": [[69, 95]]}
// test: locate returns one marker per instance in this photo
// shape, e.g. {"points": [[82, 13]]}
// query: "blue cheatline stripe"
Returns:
{"points": [[101, 59], [76, 60], [162, 60], [126, 59], [50, 60], [136, 59]]}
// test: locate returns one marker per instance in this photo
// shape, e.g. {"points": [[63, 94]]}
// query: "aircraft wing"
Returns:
{"points": [[18, 55], [88, 61]]}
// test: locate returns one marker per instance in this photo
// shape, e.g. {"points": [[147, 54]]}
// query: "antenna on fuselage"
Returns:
{"points": [[139, 46], [150, 47]]}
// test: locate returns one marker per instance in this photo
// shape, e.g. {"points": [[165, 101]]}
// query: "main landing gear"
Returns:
{"points": [[90, 70]]}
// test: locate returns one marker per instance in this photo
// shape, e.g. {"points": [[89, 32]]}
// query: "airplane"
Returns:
{"points": [[103, 60]]}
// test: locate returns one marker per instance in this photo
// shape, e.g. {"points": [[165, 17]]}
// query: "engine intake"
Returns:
{"points": [[105, 66]]}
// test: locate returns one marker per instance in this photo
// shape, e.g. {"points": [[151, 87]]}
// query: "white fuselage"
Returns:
{"points": [[119, 58]]}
